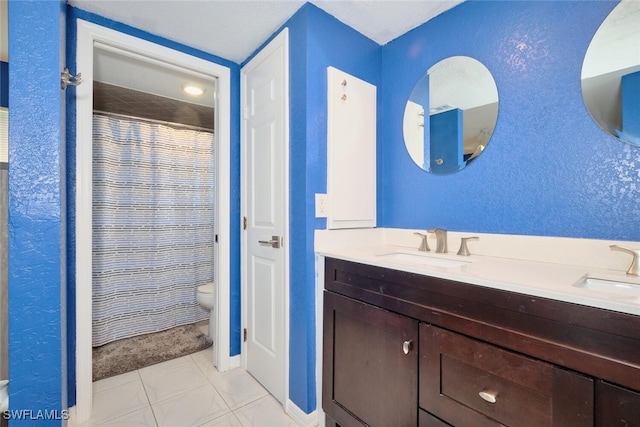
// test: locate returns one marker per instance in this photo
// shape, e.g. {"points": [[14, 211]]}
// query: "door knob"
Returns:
{"points": [[275, 242], [407, 346]]}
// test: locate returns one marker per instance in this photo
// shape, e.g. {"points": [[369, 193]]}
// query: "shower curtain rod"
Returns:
{"points": [[162, 122]]}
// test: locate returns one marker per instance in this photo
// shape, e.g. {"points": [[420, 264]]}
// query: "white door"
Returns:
{"points": [[265, 148]]}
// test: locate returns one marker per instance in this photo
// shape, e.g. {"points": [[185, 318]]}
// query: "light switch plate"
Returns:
{"points": [[321, 205]]}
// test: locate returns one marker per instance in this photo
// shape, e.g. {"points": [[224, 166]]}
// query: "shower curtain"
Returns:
{"points": [[153, 226]]}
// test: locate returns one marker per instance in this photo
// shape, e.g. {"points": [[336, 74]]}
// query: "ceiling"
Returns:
{"points": [[234, 29]]}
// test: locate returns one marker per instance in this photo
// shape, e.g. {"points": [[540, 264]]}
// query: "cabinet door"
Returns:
{"points": [[467, 382], [616, 406], [351, 151], [370, 364]]}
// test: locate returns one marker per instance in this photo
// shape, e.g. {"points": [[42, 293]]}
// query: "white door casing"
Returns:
{"points": [[88, 35], [265, 259]]}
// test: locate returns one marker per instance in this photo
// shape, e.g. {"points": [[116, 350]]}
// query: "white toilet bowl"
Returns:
{"points": [[205, 296]]}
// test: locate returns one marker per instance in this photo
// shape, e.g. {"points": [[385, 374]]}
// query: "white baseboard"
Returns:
{"points": [[234, 361], [71, 422], [299, 416]]}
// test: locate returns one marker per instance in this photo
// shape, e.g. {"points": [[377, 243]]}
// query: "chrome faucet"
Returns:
{"points": [[634, 268], [441, 239]]}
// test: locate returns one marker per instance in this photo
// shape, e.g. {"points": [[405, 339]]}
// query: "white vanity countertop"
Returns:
{"points": [[531, 277]]}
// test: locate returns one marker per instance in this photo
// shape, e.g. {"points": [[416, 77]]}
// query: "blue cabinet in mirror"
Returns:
{"points": [[450, 115], [611, 73]]}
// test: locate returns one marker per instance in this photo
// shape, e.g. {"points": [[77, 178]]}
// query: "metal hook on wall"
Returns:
{"points": [[68, 79]]}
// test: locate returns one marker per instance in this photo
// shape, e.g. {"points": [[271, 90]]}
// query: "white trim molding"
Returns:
{"points": [[300, 417], [88, 36]]}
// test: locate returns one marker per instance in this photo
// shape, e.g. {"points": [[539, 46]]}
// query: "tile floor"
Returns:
{"points": [[189, 392]]}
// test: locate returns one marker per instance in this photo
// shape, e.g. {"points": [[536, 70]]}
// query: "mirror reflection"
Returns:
{"points": [[450, 115], [611, 73]]}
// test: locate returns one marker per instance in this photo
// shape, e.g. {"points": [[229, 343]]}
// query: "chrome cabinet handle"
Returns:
{"points": [[489, 396], [407, 346], [275, 242]]}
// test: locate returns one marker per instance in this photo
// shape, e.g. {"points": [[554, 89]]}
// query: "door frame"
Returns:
{"points": [[280, 41], [88, 34]]}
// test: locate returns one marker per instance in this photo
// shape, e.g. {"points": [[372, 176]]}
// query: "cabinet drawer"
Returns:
{"points": [[616, 406], [425, 419], [468, 382]]}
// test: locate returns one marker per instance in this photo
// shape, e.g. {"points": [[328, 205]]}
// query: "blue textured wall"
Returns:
{"points": [[73, 15], [37, 347], [549, 169], [4, 84], [317, 40]]}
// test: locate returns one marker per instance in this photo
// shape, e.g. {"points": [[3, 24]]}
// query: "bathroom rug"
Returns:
{"points": [[137, 352]]}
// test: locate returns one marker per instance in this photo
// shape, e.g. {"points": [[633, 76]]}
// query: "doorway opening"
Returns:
{"points": [[95, 43]]}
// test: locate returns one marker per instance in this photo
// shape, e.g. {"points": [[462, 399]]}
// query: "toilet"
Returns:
{"points": [[205, 296]]}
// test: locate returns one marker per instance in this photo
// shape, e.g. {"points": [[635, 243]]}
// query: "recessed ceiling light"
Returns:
{"points": [[193, 90]]}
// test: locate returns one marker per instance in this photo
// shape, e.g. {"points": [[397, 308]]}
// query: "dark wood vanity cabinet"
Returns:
{"points": [[475, 356]]}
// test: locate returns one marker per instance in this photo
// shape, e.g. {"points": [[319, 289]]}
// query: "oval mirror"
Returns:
{"points": [[611, 73], [450, 115]]}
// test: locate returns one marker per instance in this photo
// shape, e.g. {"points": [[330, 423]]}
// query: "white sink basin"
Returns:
{"points": [[422, 260], [620, 288]]}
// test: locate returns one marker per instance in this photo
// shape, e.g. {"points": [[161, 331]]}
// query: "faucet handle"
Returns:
{"points": [[464, 250], [424, 246], [634, 268]]}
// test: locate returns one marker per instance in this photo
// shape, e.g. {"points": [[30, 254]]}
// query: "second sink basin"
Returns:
{"points": [[620, 288], [422, 260]]}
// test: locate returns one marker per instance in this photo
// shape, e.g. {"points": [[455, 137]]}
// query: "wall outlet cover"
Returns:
{"points": [[321, 205]]}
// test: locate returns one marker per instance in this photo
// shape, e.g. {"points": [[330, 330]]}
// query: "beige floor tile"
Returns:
{"points": [[192, 408], [117, 401], [237, 387], [266, 411], [171, 378]]}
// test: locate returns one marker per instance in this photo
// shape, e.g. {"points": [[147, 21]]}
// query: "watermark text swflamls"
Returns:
{"points": [[35, 415]]}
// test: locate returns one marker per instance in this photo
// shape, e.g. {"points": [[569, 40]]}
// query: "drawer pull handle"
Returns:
{"points": [[489, 396], [407, 346]]}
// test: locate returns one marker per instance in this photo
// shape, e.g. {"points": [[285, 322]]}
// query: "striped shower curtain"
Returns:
{"points": [[153, 226]]}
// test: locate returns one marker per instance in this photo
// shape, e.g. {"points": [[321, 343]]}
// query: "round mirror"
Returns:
{"points": [[450, 115], [611, 73]]}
